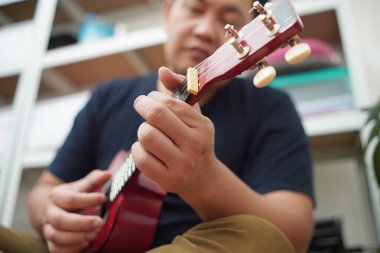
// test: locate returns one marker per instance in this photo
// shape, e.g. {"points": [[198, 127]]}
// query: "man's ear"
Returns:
{"points": [[167, 8]]}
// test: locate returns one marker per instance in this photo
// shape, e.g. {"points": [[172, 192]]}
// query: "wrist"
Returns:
{"points": [[205, 196]]}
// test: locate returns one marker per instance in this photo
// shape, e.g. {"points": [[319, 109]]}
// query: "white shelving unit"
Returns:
{"points": [[38, 153], [30, 75]]}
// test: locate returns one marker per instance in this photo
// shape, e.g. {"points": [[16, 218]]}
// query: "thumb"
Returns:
{"points": [[197, 107], [169, 79], [92, 181]]}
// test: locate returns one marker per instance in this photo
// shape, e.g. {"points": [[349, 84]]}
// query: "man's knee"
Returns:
{"points": [[13, 241], [240, 233], [263, 236]]}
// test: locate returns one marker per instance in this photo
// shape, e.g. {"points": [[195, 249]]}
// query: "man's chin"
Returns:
{"points": [[182, 68]]}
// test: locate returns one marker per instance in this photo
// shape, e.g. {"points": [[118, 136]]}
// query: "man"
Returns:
{"points": [[249, 171]]}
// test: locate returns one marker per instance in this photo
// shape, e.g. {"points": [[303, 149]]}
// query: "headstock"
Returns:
{"points": [[277, 24]]}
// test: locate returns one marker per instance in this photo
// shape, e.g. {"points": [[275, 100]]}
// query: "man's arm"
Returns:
{"points": [[176, 149], [227, 195]]}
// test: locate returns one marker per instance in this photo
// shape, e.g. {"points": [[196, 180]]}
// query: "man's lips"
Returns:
{"points": [[198, 53]]}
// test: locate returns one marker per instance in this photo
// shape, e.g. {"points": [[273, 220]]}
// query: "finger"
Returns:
{"points": [[161, 118], [169, 79], [197, 107], [66, 221], [190, 115], [67, 238], [148, 164], [92, 181], [157, 144], [71, 200], [54, 248]]}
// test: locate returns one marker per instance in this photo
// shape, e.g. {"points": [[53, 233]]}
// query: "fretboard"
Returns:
{"points": [[121, 177]]}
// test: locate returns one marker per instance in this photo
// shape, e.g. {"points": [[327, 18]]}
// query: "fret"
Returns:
{"points": [[121, 177]]}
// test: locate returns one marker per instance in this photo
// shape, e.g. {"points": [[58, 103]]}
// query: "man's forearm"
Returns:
{"points": [[227, 195]]}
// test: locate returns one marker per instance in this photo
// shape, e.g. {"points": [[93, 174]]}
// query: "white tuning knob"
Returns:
{"points": [[297, 53], [264, 76]]}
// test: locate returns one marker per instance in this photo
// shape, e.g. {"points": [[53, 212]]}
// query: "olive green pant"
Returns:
{"points": [[240, 233]]}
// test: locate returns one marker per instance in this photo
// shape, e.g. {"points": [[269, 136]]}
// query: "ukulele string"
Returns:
{"points": [[226, 54]]}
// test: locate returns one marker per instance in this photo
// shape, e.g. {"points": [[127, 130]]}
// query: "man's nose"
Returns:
{"points": [[208, 29]]}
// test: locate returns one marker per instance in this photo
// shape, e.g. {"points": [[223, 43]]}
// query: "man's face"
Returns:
{"points": [[196, 28]]}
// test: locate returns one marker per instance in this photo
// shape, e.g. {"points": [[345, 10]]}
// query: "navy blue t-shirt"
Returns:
{"points": [[258, 135]]}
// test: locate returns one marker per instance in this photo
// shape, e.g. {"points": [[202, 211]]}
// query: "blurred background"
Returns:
{"points": [[53, 52]]}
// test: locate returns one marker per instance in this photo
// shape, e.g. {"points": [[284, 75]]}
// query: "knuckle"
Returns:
{"points": [[141, 162], [68, 201], [170, 102], [49, 233], [86, 223], [53, 193], [144, 133], [52, 248], [209, 127], [155, 113], [55, 219], [51, 216], [94, 174], [199, 146]]}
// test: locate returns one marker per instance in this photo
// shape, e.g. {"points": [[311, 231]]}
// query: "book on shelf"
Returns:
{"points": [[317, 91]]}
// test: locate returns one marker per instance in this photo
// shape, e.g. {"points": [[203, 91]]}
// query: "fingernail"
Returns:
{"points": [[84, 245], [136, 100], [91, 236], [98, 223], [102, 198]]}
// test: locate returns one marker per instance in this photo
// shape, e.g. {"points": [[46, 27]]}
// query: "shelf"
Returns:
{"points": [[14, 54], [339, 121], [133, 41], [53, 118], [143, 38], [107, 46], [50, 123], [38, 158], [6, 2]]}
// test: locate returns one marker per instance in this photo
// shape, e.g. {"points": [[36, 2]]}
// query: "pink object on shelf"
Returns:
{"points": [[319, 49]]}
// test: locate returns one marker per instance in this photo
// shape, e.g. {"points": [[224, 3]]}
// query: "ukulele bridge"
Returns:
{"points": [[192, 81]]}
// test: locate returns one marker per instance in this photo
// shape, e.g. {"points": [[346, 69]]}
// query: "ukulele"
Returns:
{"points": [[134, 201]]}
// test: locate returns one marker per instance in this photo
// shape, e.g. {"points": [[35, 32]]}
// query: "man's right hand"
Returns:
{"points": [[63, 226]]}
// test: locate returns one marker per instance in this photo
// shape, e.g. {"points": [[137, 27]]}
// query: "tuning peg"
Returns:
{"points": [[298, 51], [237, 41], [265, 75], [266, 17]]}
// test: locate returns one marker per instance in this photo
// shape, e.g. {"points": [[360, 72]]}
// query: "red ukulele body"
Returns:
{"points": [[131, 218]]}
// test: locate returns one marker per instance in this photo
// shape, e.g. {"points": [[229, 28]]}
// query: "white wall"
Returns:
{"points": [[366, 29]]}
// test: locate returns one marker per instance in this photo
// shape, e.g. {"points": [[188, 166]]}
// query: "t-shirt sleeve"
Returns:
{"points": [[280, 156], [76, 157]]}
